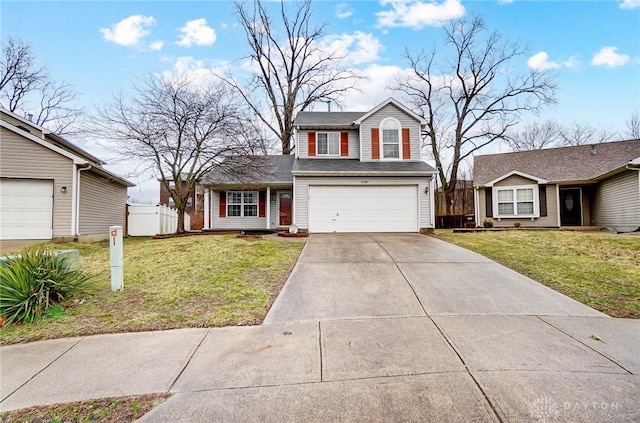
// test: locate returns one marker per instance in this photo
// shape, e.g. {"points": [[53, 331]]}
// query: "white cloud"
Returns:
{"points": [[129, 31], [608, 57], [629, 4], [197, 32], [156, 45], [198, 72], [417, 13], [540, 62], [343, 11], [572, 62], [505, 1], [356, 48]]}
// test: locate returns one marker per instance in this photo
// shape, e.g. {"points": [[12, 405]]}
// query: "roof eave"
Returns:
{"points": [[361, 173]]}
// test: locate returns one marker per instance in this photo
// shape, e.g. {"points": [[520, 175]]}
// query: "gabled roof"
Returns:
{"points": [[346, 119], [258, 170], [583, 163], [54, 138], [395, 103], [61, 146], [345, 167]]}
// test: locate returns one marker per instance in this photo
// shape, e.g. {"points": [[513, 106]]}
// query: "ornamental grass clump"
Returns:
{"points": [[35, 280]]}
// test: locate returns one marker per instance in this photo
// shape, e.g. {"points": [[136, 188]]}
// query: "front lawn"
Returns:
{"points": [[601, 270], [198, 281]]}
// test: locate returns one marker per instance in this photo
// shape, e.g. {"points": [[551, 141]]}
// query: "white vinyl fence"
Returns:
{"points": [[146, 220]]}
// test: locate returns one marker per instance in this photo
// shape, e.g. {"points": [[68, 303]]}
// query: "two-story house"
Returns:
{"points": [[352, 172]]}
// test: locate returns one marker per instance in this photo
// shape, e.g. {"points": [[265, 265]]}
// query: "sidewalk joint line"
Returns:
{"points": [[186, 364], [320, 344], [42, 370], [586, 345]]}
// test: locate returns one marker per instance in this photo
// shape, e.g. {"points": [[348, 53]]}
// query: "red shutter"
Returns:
{"points": [[406, 144], [262, 205], [312, 144], [223, 204], [344, 143], [375, 144]]}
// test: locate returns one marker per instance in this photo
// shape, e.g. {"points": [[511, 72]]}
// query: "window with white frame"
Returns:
{"points": [[390, 129], [242, 203], [516, 201], [328, 143]]}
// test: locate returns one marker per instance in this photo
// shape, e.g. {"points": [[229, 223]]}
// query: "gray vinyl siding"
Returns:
{"points": [[374, 121], [548, 221], [15, 122], [301, 194], [22, 158], [303, 144], [102, 204], [616, 202], [515, 180], [218, 222]]}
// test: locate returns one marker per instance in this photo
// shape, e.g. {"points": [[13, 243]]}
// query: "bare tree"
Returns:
{"points": [[180, 130], [633, 127], [28, 89], [580, 134], [471, 98], [536, 136], [291, 71]]}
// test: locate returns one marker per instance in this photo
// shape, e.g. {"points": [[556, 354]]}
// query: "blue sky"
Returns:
{"points": [[593, 46]]}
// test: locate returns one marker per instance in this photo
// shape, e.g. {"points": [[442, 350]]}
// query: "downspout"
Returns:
{"points": [[74, 200], [78, 200], [637, 169]]}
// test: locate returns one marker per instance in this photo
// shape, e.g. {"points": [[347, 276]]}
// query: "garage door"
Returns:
{"points": [[26, 209], [363, 209]]}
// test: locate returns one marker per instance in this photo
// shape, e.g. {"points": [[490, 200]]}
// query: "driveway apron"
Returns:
{"points": [[368, 328]]}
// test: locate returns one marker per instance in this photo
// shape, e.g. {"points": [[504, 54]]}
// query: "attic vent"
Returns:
{"points": [[593, 149], [23, 128]]}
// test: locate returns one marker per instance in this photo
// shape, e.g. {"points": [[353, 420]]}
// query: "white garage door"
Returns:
{"points": [[26, 209], [363, 209]]}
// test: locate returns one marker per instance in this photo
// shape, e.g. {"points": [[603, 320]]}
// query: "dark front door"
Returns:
{"points": [[570, 207], [284, 200]]}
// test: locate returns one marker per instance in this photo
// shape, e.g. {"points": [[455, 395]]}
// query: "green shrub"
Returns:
{"points": [[34, 280], [487, 223]]}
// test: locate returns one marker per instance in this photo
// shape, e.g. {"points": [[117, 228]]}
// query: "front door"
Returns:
{"points": [[570, 206], [284, 205]]}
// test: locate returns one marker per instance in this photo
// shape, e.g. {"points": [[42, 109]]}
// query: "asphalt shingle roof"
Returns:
{"points": [[326, 118], [354, 166], [257, 169], [558, 164]]}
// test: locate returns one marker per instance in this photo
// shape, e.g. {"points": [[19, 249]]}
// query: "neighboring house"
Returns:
{"points": [[352, 172], [51, 189], [587, 185], [195, 204]]}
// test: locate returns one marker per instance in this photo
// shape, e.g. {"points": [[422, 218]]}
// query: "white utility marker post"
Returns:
{"points": [[116, 258]]}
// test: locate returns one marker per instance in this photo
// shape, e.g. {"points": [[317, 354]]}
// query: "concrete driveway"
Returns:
{"points": [[382, 328]]}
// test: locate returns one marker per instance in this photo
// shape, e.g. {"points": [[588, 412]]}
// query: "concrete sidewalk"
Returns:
{"points": [[368, 328]]}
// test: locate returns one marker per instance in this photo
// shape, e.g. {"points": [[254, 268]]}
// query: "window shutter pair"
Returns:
{"points": [[344, 144], [375, 144], [262, 204]]}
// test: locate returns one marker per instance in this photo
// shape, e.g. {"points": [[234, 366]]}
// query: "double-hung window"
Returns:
{"points": [[328, 143], [390, 129], [515, 201], [242, 203]]}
